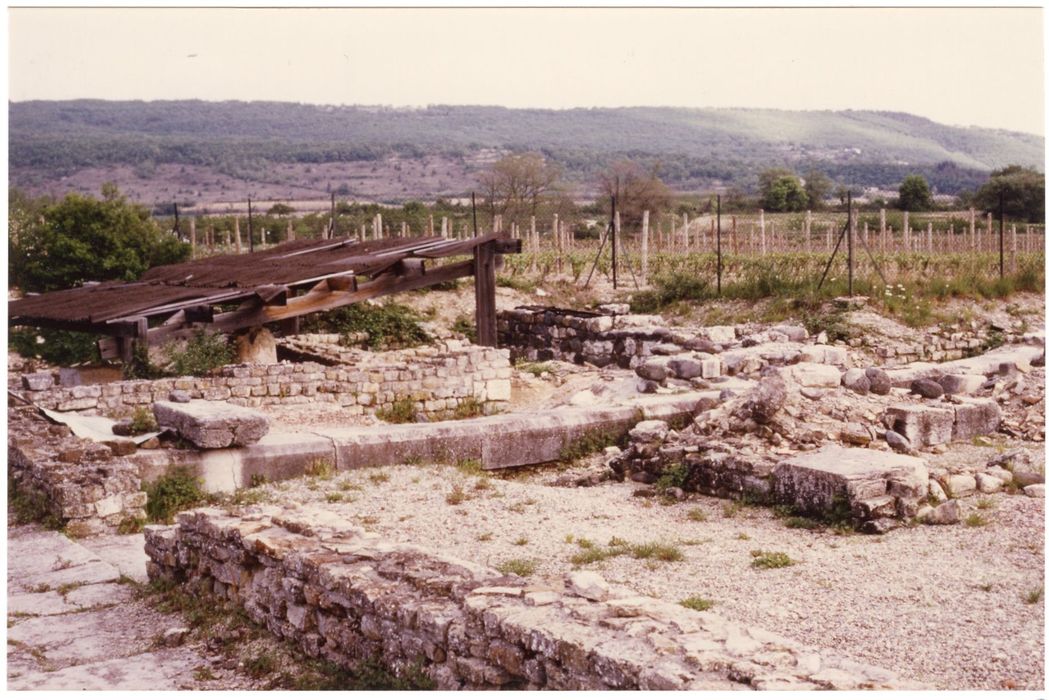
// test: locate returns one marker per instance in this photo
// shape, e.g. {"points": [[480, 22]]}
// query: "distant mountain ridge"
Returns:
{"points": [[720, 146]]}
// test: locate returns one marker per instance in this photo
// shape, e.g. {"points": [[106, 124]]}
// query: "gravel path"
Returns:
{"points": [[941, 605]]}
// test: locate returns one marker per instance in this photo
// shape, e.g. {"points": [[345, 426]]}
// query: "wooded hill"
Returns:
{"points": [[693, 147]]}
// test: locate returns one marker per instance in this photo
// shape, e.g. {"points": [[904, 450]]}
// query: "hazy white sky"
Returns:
{"points": [[962, 66]]}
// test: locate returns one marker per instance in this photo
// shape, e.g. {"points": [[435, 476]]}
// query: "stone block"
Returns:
{"points": [[975, 417], [961, 383], [38, 381], [811, 374], [923, 426], [212, 425], [821, 482]]}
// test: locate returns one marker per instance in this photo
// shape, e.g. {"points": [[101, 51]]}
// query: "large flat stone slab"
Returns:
{"points": [[155, 670], [213, 424], [827, 481]]}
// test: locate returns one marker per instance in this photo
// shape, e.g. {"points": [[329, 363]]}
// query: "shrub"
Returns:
{"points": [[465, 326], [400, 411], [673, 476], [143, 421], [697, 515], [456, 496], [469, 407], [178, 490], [62, 348], [203, 353], [770, 560], [388, 326], [520, 567], [696, 603]]}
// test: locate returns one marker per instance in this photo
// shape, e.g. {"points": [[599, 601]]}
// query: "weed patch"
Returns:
{"points": [[770, 560], [178, 490], [696, 603]]}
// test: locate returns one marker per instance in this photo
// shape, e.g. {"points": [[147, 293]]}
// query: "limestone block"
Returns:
{"points": [[211, 424], [959, 485], [498, 389], [923, 426], [38, 381], [976, 417], [961, 383], [811, 374], [820, 481]]}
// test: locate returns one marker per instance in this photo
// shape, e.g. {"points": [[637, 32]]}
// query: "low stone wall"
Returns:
{"points": [[539, 333], [938, 346], [345, 595], [438, 378], [78, 481]]}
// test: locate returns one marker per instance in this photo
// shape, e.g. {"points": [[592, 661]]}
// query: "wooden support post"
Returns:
{"points": [[236, 231], [928, 237], [808, 227], [404, 229], [484, 294], [644, 245], [881, 223], [906, 231], [444, 227], [192, 236], [290, 233]]}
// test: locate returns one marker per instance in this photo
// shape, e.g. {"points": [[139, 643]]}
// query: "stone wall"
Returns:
{"points": [[347, 596], [438, 378], [941, 345], [78, 481], [539, 333]]}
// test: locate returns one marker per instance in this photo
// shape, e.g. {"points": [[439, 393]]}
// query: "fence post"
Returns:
{"points": [[906, 231], [236, 231], [761, 223], [289, 235], [192, 236], [972, 228], [684, 232], [808, 228], [644, 246]]}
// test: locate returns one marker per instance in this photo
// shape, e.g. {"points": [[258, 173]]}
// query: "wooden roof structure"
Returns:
{"points": [[232, 292]]}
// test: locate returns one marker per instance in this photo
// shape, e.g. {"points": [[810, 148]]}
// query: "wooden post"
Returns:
{"points": [[290, 233], [907, 231], [1012, 248], [236, 231], [808, 227], [990, 232], [972, 228], [684, 232], [928, 237], [761, 224], [827, 236], [378, 226], [735, 242], [881, 223], [533, 236], [484, 294], [644, 245], [404, 229], [192, 236]]}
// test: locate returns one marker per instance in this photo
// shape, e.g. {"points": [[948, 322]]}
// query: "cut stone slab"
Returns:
{"points": [[975, 417], [155, 670], [811, 374], [820, 482], [961, 383], [213, 424], [923, 426]]}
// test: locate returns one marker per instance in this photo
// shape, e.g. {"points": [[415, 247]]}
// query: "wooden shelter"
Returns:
{"points": [[228, 293]]}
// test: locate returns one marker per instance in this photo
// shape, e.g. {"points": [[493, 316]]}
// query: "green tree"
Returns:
{"points": [[782, 191], [1020, 190], [817, 187], [82, 239], [280, 209], [915, 194]]}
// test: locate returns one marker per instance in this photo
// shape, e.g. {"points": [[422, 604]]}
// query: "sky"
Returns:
{"points": [[959, 66]]}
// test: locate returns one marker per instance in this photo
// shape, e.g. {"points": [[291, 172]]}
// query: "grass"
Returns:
{"points": [[587, 444], [519, 567], [178, 490], [131, 525], [521, 541], [400, 411], [469, 407], [731, 509], [658, 551], [143, 421], [378, 477], [320, 469], [456, 496], [696, 603], [770, 560], [470, 467], [30, 506], [485, 537], [1035, 596], [697, 515], [976, 520], [536, 369]]}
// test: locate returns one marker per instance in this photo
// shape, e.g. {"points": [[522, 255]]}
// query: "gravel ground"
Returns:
{"points": [[941, 605]]}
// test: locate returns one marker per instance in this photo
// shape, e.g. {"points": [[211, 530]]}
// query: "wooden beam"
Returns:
{"points": [[484, 294], [318, 300]]}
